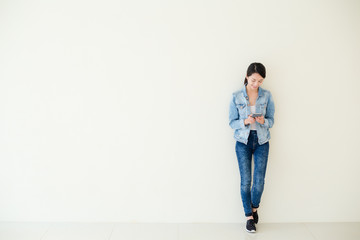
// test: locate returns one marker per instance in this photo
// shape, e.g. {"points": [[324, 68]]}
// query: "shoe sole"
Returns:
{"points": [[251, 231]]}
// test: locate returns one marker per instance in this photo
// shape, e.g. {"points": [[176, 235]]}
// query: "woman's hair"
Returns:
{"points": [[255, 68]]}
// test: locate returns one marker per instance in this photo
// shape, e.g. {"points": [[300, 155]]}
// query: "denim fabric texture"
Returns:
{"points": [[251, 196], [240, 110], [251, 143]]}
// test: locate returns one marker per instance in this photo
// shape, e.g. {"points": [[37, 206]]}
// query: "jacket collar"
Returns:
{"points": [[243, 90]]}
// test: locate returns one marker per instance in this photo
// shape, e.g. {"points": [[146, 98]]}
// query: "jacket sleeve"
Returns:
{"points": [[234, 121], [270, 111]]}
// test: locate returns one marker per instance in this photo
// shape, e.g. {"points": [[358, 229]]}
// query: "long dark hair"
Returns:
{"points": [[255, 68]]}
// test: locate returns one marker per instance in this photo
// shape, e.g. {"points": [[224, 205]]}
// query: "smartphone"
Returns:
{"points": [[256, 115]]}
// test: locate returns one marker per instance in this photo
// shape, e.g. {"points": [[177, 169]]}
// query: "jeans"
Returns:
{"points": [[244, 154]]}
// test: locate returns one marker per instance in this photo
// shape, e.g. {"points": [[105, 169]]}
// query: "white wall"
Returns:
{"points": [[118, 110]]}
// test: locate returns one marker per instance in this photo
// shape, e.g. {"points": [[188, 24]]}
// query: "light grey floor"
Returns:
{"points": [[177, 231]]}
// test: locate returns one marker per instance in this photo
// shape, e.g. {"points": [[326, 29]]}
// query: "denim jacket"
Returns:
{"points": [[240, 110]]}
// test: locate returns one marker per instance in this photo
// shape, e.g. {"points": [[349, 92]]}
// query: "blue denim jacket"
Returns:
{"points": [[240, 110]]}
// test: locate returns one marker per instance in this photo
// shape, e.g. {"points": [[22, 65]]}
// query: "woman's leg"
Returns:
{"points": [[244, 154], [261, 154]]}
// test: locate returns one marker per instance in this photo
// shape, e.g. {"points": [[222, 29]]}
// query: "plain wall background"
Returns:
{"points": [[118, 110]]}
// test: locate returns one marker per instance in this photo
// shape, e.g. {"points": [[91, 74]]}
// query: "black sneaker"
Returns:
{"points": [[255, 216], [250, 226]]}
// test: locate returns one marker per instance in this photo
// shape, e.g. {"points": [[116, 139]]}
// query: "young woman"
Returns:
{"points": [[251, 116]]}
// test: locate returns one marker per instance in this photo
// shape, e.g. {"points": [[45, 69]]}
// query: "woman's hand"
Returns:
{"points": [[249, 120], [260, 120]]}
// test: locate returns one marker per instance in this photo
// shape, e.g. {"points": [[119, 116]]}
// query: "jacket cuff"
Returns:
{"points": [[242, 124], [266, 123]]}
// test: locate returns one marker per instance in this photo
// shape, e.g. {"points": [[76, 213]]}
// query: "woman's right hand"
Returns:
{"points": [[249, 120]]}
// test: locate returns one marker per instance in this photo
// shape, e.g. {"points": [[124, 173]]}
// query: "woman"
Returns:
{"points": [[252, 137]]}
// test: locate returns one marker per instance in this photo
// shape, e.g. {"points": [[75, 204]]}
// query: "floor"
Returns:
{"points": [[177, 231]]}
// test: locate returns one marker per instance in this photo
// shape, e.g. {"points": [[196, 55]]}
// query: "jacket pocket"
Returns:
{"points": [[242, 110], [263, 108]]}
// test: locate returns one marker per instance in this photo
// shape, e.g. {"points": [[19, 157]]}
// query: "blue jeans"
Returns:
{"points": [[251, 199]]}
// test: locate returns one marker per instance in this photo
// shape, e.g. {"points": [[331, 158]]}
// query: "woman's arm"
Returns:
{"points": [[234, 119], [270, 111]]}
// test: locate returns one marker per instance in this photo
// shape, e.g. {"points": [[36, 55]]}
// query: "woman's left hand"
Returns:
{"points": [[260, 120]]}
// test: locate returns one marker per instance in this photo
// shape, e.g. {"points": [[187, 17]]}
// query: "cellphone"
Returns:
{"points": [[256, 115]]}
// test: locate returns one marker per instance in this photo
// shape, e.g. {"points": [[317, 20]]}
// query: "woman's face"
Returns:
{"points": [[255, 80]]}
